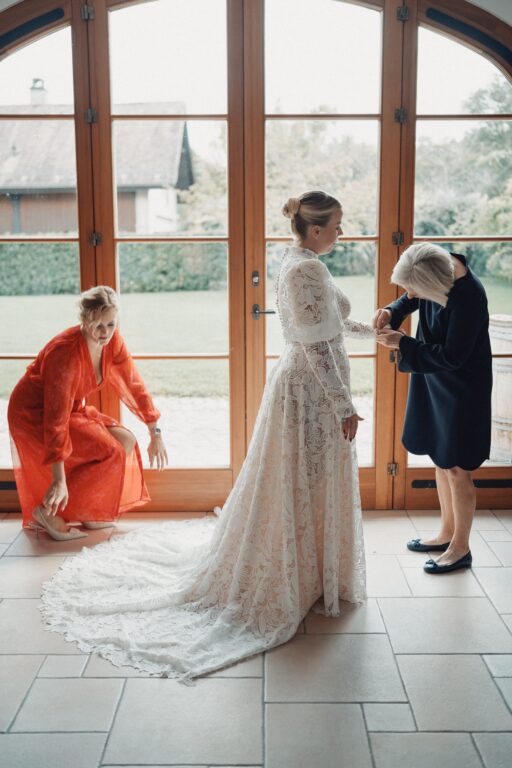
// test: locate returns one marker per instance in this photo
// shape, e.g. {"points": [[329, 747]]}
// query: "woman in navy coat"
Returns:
{"points": [[448, 412]]}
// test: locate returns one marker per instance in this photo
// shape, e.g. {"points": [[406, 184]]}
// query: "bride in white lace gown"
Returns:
{"points": [[187, 597]]}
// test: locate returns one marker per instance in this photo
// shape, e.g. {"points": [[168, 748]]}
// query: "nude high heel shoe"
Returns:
{"points": [[42, 524], [94, 525]]}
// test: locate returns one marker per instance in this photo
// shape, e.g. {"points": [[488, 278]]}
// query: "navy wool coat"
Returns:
{"points": [[448, 413]]}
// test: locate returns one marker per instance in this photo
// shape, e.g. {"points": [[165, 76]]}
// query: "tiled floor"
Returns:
{"points": [[419, 676]]}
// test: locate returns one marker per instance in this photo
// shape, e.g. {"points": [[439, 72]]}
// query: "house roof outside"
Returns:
{"points": [[39, 156]]}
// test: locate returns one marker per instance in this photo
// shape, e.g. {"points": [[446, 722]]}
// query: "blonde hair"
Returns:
{"points": [[95, 301], [311, 208], [425, 269]]}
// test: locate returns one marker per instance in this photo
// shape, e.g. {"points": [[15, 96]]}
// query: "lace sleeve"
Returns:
{"points": [[308, 308], [321, 359], [353, 328]]}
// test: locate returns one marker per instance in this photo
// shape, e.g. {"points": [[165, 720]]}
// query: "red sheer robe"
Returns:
{"points": [[50, 422]]}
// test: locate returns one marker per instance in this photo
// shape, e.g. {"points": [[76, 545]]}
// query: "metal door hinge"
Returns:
{"points": [[402, 13], [400, 115], [397, 238], [91, 115], [87, 12], [95, 239], [393, 469]]}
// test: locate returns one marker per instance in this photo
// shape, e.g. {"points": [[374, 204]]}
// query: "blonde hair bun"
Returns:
{"points": [[291, 207]]}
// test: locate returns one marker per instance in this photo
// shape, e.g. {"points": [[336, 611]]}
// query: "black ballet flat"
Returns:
{"points": [[432, 567], [415, 545]]}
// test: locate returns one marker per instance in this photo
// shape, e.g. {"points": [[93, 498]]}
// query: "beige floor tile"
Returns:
{"points": [[63, 666], [3, 548], [384, 577], [10, 528], [319, 735], [424, 750], [495, 748], [500, 665], [386, 533], [428, 520], [73, 704], [504, 535], [29, 545], [465, 698], [497, 583], [23, 630], [98, 667], [226, 713], [21, 579], [51, 750], [444, 625], [505, 686], [358, 619], [456, 584], [248, 668], [333, 668], [389, 717], [505, 517], [502, 550], [16, 676], [507, 618]]}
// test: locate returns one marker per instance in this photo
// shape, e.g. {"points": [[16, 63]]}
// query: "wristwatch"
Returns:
{"points": [[155, 431]]}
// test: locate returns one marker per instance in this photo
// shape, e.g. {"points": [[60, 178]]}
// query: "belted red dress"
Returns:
{"points": [[49, 421]]}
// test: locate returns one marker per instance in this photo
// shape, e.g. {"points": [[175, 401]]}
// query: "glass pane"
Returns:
{"points": [[362, 373], [38, 178], [193, 397], [11, 372], [180, 63], [171, 177], [353, 268], [38, 79], [322, 56], [470, 82], [174, 296], [340, 157], [39, 285], [463, 178]]}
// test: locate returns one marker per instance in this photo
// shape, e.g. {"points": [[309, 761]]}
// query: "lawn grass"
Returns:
{"points": [[185, 321]]}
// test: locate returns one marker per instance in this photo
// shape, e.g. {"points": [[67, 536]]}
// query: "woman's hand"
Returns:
{"points": [[56, 497], [157, 452], [381, 318], [350, 425], [389, 339]]}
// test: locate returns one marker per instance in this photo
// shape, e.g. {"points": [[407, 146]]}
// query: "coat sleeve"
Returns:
{"points": [[400, 309], [316, 317], [61, 372], [464, 324], [129, 384]]}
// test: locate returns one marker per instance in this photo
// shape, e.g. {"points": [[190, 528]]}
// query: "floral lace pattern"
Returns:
{"points": [[189, 597]]}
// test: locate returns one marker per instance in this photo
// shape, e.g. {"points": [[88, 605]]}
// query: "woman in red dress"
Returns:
{"points": [[70, 461]]}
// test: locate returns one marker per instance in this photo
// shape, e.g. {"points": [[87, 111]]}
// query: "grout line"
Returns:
{"points": [[475, 745], [264, 711], [369, 741], [116, 710], [13, 719]]}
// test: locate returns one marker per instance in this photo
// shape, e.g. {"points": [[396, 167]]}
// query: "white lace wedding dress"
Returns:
{"points": [[188, 597]]}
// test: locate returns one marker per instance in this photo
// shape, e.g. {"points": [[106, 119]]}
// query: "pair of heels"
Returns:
{"points": [[42, 523]]}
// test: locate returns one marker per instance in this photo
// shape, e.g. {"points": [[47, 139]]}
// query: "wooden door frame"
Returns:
{"points": [[476, 29]]}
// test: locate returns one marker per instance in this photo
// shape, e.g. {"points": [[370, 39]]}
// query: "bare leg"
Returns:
{"points": [[445, 502], [125, 437], [463, 504]]}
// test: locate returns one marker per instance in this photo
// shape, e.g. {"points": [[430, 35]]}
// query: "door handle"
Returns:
{"points": [[256, 311]]}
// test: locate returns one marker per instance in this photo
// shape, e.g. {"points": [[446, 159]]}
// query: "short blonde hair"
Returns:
{"points": [[311, 208], [425, 269], [95, 301]]}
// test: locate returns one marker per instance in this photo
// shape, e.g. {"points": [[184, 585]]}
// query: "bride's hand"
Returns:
{"points": [[157, 452], [350, 425]]}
